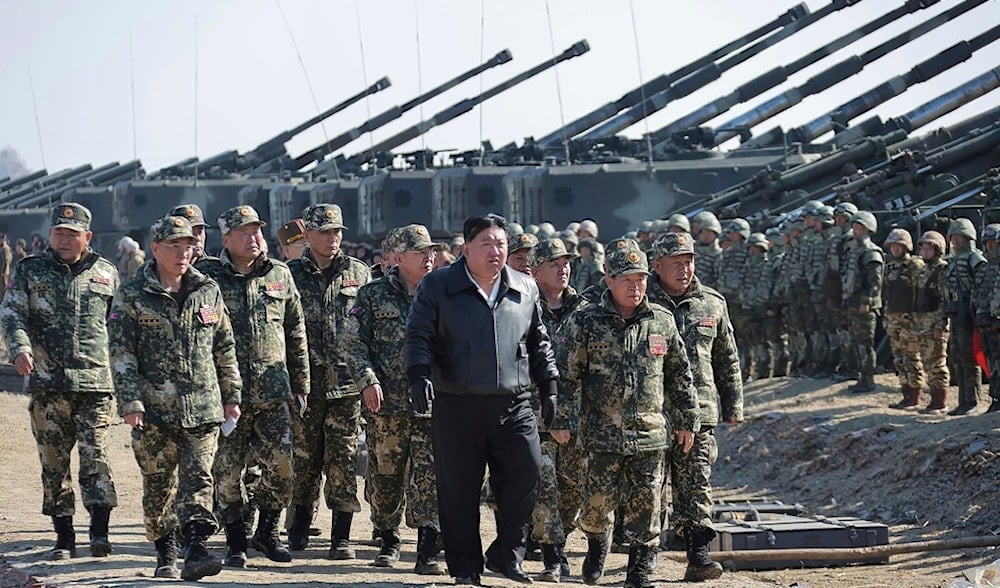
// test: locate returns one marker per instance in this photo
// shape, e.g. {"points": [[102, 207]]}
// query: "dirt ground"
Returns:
{"points": [[806, 442]]}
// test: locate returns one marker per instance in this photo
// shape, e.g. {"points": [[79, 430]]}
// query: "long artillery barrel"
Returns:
{"points": [[836, 74], [664, 81], [708, 74], [921, 72], [318, 153], [780, 74], [578, 48], [275, 146], [927, 112]]}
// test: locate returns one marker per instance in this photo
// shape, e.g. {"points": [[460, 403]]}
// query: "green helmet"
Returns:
{"points": [[825, 215], [739, 226], [866, 220], [812, 207], [991, 232], [962, 226], [759, 240], [709, 221], [847, 209], [680, 221]]}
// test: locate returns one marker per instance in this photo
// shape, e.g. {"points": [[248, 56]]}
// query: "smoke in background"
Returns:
{"points": [[11, 164]]}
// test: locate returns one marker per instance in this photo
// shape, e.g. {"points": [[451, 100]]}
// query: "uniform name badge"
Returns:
{"points": [[208, 315], [657, 344]]}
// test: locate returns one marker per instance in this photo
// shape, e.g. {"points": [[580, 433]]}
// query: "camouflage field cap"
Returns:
{"points": [[192, 212], [321, 217], [411, 238], [522, 241], [170, 228], [672, 245], [624, 257], [70, 215], [239, 216], [549, 250], [291, 232]]}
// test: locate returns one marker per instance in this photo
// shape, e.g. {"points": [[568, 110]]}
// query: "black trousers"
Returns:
{"points": [[470, 432]]}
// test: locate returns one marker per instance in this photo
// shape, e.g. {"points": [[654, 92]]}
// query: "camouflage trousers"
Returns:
{"points": [[177, 484], [741, 320], [263, 436], [847, 355], [560, 490], [631, 482], [689, 483], [863, 332], [59, 421], [400, 470], [776, 336], [823, 333], [933, 339], [326, 442], [797, 316], [967, 372], [906, 344]]}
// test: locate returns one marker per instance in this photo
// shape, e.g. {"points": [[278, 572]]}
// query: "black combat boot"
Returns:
{"points": [[427, 553], [866, 383], [236, 541], [388, 553], [593, 563], [637, 572], [198, 563], [266, 539], [550, 564], [340, 536], [298, 532], [563, 562], [166, 557], [100, 546], [618, 542], [65, 538], [249, 514], [700, 565]]}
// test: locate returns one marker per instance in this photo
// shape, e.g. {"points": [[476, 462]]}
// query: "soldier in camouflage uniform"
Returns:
{"points": [[54, 319], [798, 309], [623, 368], [560, 494], [930, 321], [986, 322], [754, 300], [706, 264], [400, 456], [902, 273], [678, 223], [702, 318], [732, 281], [823, 335], [292, 239], [326, 439], [518, 247], [590, 269], [176, 378], [959, 306], [862, 296], [839, 243], [266, 312], [193, 213]]}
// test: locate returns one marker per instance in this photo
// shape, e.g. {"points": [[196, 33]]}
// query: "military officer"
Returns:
{"points": [[266, 312], [862, 295], [702, 317], [518, 247], [291, 238], [193, 213], [176, 379], [326, 439], [623, 368], [399, 439], [54, 318]]}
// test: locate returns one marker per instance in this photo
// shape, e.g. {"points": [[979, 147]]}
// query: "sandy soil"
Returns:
{"points": [[806, 442]]}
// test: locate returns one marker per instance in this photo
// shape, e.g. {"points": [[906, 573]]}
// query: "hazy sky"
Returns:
{"points": [[84, 57]]}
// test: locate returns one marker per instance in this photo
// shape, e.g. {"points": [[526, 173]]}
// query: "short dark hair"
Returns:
{"points": [[477, 224]]}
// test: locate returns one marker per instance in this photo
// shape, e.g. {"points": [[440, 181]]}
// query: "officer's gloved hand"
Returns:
{"points": [[421, 389], [549, 392]]}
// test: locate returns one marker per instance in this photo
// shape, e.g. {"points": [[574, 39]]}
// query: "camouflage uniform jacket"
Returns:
{"points": [[266, 313], [863, 275], [986, 277], [930, 289], [836, 249], [327, 298], [776, 259], [702, 318], [176, 364], [58, 314], [900, 283], [706, 264], [759, 281], [819, 258], [621, 379], [960, 281], [554, 322], [731, 273], [586, 273], [373, 340]]}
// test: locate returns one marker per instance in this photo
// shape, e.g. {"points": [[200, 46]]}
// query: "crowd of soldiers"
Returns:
{"points": [[653, 336]]}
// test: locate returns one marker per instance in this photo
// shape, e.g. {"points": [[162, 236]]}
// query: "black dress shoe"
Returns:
{"points": [[468, 580], [511, 571]]}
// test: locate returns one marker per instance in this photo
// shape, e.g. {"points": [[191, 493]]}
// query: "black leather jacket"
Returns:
{"points": [[472, 348]]}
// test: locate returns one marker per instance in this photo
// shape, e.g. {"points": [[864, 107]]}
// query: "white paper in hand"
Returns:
{"points": [[229, 426]]}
